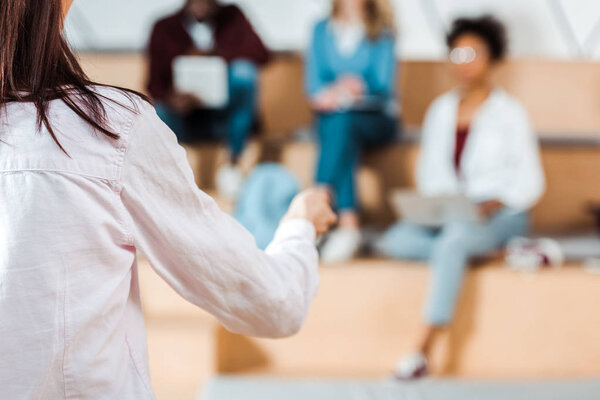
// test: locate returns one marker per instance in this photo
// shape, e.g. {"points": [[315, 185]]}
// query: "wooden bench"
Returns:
{"points": [[509, 325], [367, 313]]}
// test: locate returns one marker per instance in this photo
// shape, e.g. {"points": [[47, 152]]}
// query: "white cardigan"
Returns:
{"points": [[501, 158]]}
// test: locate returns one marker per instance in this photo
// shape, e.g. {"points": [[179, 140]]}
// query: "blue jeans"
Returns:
{"points": [[233, 123], [448, 250], [343, 136]]}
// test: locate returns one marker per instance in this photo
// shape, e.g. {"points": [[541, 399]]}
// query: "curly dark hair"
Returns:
{"points": [[488, 28]]}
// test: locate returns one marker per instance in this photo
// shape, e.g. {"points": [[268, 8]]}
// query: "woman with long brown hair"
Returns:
{"points": [[89, 175], [350, 81]]}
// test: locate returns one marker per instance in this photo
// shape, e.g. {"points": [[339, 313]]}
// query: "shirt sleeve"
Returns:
{"points": [[247, 44], [524, 179], [252, 45], [202, 252], [382, 77]]}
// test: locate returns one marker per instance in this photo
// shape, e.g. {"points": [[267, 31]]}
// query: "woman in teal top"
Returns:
{"points": [[350, 80]]}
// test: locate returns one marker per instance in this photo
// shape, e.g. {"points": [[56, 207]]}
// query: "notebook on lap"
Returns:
{"points": [[433, 211]]}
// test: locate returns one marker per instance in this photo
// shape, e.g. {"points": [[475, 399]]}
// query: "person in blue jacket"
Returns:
{"points": [[350, 81]]}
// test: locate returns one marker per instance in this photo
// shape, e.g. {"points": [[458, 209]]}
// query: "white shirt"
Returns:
{"points": [[348, 37], [202, 35], [71, 324], [501, 158]]}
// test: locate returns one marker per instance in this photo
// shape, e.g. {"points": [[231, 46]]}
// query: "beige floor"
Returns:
{"points": [[180, 340], [508, 326]]}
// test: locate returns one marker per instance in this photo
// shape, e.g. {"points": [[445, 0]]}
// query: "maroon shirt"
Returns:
{"points": [[462, 134], [234, 39]]}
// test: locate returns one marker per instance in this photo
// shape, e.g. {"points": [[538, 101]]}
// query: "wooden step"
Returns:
{"points": [[181, 357], [509, 325], [181, 339]]}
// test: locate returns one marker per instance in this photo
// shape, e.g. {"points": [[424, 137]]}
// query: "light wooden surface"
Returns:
{"points": [[562, 97], [181, 339], [366, 315], [181, 357]]}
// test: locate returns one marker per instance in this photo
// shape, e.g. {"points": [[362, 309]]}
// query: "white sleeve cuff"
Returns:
{"points": [[299, 228]]}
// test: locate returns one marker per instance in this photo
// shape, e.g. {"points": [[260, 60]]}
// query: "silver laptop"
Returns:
{"points": [[204, 77], [434, 211]]}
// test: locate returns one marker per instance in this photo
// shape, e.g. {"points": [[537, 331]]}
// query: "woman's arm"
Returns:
{"points": [[525, 180], [160, 74], [203, 253], [314, 67], [249, 46], [382, 77]]}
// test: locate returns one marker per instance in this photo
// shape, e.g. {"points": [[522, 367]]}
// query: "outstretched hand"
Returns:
{"points": [[314, 206], [488, 209]]}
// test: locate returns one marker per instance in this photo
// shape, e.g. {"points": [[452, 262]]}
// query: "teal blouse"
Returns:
{"points": [[374, 61]]}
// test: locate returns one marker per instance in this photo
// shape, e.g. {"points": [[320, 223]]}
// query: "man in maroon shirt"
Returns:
{"points": [[206, 27]]}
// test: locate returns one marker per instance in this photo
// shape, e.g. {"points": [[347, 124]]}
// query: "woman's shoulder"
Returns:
{"points": [[507, 104], [443, 101], [112, 94], [122, 106], [321, 26]]}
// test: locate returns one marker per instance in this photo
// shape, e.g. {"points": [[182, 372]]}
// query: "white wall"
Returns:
{"points": [[563, 29]]}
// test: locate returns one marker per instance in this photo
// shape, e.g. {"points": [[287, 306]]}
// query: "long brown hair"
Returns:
{"points": [[37, 66], [378, 17]]}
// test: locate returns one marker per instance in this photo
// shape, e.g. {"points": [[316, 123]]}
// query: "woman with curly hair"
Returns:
{"points": [[477, 141]]}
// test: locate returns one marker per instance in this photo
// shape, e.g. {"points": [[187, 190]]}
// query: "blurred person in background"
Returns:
{"points": [[266, 195], [350, 81], [206, 27], [477, 140], [89, 177]]}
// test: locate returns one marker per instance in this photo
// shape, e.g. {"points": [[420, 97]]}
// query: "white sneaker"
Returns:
{"points": [[341, 245], [229, 180], [411, 367]]}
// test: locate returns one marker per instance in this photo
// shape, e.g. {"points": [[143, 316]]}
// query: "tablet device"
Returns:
{"points": [[433, 211], [204, 77]]}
